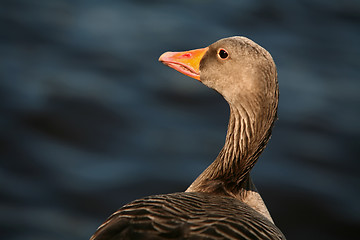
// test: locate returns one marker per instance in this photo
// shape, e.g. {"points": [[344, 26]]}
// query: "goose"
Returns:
{"points": [[223, 202]]}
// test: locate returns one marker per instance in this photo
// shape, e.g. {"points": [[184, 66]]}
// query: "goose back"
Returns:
{"points": [[187, 215]]}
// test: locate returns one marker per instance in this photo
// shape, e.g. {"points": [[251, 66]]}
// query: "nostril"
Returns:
{"points": [[186, 55]]}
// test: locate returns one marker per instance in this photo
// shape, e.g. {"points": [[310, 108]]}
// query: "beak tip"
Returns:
{"points": [[160, 58], [165, 57]]}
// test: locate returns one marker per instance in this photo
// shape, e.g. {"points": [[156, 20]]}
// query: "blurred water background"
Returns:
{"points": [[90, 120]]}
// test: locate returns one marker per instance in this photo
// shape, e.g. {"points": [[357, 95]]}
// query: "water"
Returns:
{"points": [[90, 120]]}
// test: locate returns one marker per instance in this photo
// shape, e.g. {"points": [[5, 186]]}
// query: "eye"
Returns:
{"points": [[223, 53]]}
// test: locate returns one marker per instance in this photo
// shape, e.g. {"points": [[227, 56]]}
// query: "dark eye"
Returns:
{"points": [[223, 53]]}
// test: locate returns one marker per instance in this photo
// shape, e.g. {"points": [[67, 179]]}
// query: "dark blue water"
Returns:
{"points": [[90, 120]]}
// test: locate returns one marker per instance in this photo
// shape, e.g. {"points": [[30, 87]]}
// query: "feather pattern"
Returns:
{"points": [[187, 216]]}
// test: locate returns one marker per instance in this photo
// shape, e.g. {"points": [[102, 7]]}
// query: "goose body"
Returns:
{"points": [[188, 215], [222, 203]]}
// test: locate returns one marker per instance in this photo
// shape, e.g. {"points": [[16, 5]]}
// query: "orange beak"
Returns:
{"points": [[187, 62]]}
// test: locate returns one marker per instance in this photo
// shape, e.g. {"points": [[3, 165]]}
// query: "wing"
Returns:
{"points": [[187, 216]]}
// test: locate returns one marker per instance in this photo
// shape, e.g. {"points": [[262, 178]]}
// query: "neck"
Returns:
{"points": [[247, 135]]}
